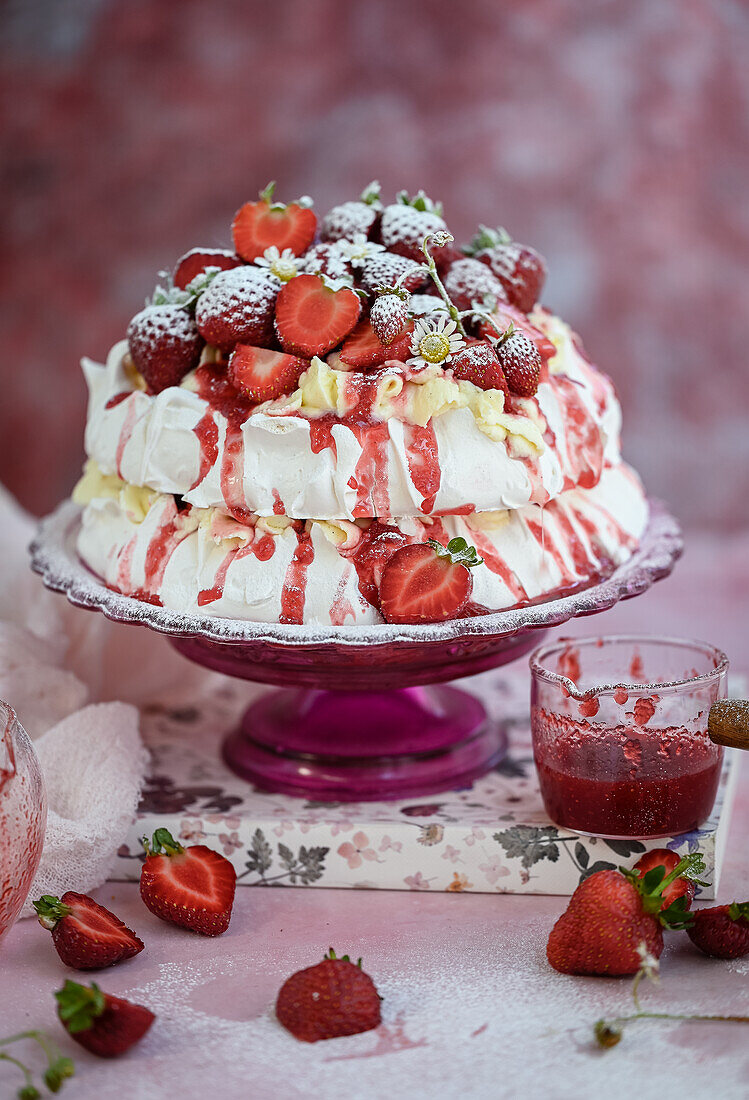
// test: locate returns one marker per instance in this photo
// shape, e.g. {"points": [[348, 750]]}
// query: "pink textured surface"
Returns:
{"points": [[608, 135], [471, 1007]]}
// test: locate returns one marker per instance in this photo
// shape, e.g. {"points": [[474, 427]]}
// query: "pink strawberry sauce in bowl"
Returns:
{"points": [[620, 733]]}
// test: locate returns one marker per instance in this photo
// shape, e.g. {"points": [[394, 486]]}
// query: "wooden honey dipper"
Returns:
{"points": [[728, 723]]}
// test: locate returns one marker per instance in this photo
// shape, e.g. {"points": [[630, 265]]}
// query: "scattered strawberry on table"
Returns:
{"points": [[333, 998], [428, 582], [669, 861], [85, 934], [614, 915], [721, 931], [193, 887], [105, 1025]]}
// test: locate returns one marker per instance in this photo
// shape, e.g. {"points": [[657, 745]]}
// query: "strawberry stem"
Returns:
{"points": [[441, 238], [59, 1068], [457, 551], [162, 841], [609, 1032], [266, 195]]}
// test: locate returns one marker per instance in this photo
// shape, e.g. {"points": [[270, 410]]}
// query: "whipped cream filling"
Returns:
{"points": [[272, 569], [434, 446]]}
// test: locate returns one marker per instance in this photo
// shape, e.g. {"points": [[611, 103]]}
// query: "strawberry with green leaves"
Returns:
{"points": [[104, 1025], [426, 582], [85, 934], [722, 931], [612, 914], [193, 887]]}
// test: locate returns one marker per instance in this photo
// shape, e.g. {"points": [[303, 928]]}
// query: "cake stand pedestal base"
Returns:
{"points": [[338, 746]]}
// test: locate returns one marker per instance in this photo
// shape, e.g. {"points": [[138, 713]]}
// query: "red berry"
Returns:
{"points": [[326, 259], [680, 887], [105, 1025], [521, 364], [264, 375], [364, 349], [311, 318], [388, 316], [193, 887], [197, 260], [328, 1000], [348, 219], [469, 281], [258, 225], [85, 934], [478, 363], [721, 931], [506, 315], [424, 583], [237, 308], [387, 269], [403, 228], [520, 269], [164, 344]]}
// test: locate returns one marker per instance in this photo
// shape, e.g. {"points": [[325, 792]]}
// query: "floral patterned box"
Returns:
{"points": [[491, 837]]}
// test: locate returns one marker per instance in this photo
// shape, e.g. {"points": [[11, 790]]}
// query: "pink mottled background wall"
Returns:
{"points": [[614, 136]]}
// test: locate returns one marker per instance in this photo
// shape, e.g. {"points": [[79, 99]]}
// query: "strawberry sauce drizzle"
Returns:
{"points": [[125, 432], [342, 607], [215, 388], [294, 589], [497, 565], [423, 462], [321, 434], [583, 437], [206, 430], [118, 397], [547, 545]]}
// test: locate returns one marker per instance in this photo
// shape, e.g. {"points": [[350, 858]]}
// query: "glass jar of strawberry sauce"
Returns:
{"points": [[620, 735]]}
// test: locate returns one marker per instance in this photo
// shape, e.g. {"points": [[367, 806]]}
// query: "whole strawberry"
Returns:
{"points": [[613, 913], [721, 931], [478, 363], [408, 221], [193, 887], [333, 998], [237, 308], [389, 314], [350, 218], [85, 934], [164, 344], [105, 1025], [519, 268], [468, 281], [520, 362]]}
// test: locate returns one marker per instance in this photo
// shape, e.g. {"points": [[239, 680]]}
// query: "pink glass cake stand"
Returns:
{"points": [[368, 715]]}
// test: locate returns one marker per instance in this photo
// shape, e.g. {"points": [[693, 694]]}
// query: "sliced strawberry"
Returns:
{"points": [[197, 260], [193, 887], [364, 349], [164, 344], [258, 225], [237, 308], [478, 363], [311, 318], [105, 1025], [679, 888], [86, 935], [504, 315], [264, 375], [427, 582]]}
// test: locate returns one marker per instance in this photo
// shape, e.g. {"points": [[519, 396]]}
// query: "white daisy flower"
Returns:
{"points": [[284, 265], [435, 340], [358, 250]]}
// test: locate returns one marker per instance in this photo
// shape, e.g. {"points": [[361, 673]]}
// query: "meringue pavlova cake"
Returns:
{"points": [[351, 420]]}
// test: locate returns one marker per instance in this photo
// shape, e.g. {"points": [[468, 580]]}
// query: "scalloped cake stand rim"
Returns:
{"points": [[54, 557]]}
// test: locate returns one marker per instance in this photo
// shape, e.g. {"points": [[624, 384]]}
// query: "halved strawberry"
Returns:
{"points": [[258, 225], [193, 887], [478, 363], [311, 317], [427, 582], [197, 260], [504, 315], [105, 1025], [86, 935], [668, 860], [364, 349], [264, 375]]}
